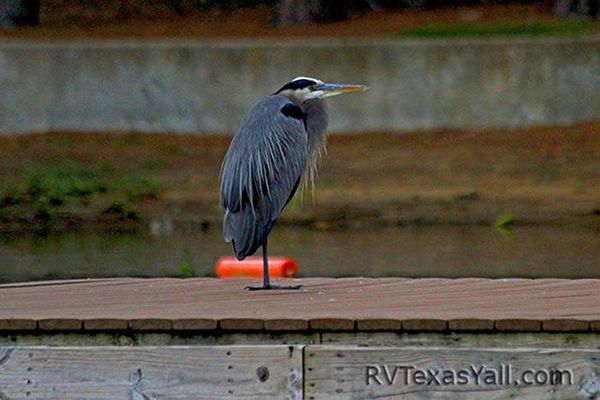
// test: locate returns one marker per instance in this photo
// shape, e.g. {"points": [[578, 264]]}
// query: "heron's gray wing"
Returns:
{"points": [[261, 171]]}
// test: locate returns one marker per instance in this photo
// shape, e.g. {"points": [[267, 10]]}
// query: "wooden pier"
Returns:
{"points": [[351, 338]]}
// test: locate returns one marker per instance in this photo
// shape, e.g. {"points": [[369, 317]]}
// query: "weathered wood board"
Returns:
{"points": [[342, 372], [144, 373]]}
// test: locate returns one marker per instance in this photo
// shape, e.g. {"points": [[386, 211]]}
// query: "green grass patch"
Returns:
{"points": [[55, 186], [186, 270], [185, 267], [506, 28], [505, 223]]}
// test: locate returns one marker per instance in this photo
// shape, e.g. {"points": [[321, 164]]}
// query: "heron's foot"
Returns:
{"points": [[273, 287]]}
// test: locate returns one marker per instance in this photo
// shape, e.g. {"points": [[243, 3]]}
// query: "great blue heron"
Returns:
{"points": [[277, 146]]}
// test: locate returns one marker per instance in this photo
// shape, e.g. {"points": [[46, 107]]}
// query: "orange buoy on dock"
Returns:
{"points": [[279, 267]]}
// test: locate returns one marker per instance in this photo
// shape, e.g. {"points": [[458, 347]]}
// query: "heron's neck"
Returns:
{"points": [[316, 129], [316, 117]]}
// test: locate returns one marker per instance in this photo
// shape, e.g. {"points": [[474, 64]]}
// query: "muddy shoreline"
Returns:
{"points": [[206, 217]]}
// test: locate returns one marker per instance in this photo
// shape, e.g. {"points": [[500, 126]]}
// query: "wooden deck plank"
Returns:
{"points": [[14, 324], [60, 324], [105, 324], [175, 372], [289, 324], [150, 324], [464, 324], [322, 304], [195, 324], [518, 325], [379, 325], [333, 324]]}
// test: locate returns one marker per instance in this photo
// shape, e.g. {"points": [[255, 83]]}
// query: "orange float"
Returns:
{"points": [[279, 267]]}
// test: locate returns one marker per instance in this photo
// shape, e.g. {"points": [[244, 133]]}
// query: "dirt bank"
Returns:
{"points": [[537, 175]]}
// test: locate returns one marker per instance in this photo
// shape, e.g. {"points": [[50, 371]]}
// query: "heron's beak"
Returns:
{"points": [[331, 89]]}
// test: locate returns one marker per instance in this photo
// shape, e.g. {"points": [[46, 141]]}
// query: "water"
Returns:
{"points": [[450, 251]]}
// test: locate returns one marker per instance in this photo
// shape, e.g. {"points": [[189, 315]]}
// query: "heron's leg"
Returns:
{"points": [[266, 281]]}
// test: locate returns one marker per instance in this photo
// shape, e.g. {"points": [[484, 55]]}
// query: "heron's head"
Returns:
{"points": [[303, 88]]}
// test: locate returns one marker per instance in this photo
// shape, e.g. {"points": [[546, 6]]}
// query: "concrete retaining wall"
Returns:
{"points": [[193, 86]]}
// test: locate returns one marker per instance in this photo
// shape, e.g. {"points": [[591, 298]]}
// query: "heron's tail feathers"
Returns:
{"points": [[242, 229]]}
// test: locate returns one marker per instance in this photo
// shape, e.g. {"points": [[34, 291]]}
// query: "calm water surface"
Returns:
{"points": [[453, 251]]}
